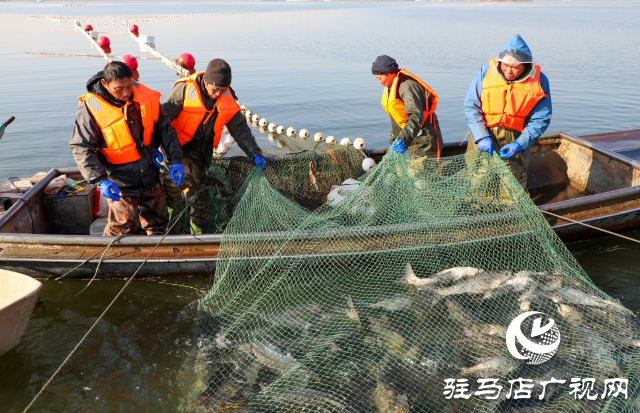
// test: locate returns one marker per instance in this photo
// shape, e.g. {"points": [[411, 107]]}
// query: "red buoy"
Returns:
{"points": [[106, 49], [88, 28], [133, 28], [136, 75], [103, 41], [130, 61], [192, 70], [187, 61]]}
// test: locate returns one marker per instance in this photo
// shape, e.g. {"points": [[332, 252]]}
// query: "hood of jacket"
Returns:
{"points": [[95, 86], [518, 48]]}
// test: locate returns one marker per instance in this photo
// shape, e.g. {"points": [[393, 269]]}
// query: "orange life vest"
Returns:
{"points": [[394, 107], [193, 111], [112, 121], [508, 104]]}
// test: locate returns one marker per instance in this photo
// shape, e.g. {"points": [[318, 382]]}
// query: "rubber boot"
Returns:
{"points": [[176, 227], [198, 227]]}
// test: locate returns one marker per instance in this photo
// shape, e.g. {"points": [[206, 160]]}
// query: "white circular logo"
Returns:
{"points": [[542, 343]]}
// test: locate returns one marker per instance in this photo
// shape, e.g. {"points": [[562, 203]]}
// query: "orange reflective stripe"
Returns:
{"points": [[193, 110], [508, 104], [112, 121], [394, 107], [227, 108]]}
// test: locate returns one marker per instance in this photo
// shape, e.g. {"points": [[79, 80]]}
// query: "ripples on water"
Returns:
{"points": [[307, 69]]}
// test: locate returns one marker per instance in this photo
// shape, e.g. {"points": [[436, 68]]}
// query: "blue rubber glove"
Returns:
{"points": [[510, 150], [259, 161], [486, 144], [109, 190], [176, 172], [399, 146], [157, 158], [2, 128]]}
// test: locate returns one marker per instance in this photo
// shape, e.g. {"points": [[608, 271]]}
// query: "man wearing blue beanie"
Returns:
{"points": [[411, 106]]}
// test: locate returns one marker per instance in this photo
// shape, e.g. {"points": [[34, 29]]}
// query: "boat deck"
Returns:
{"points": [[626, 143]]}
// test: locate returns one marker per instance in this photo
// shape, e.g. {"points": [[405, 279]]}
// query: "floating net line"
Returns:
{"points": [[304, 172], [396, 295]]}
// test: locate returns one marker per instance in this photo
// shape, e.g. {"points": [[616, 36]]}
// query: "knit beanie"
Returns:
{"points": [[218, 73], [383, 65]]}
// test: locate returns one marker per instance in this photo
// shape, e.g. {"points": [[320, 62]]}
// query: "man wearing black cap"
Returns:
{"points": [[199, 107], [411, 105]]}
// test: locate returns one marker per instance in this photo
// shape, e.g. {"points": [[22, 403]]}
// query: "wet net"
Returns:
{"points": [[419, 286]]}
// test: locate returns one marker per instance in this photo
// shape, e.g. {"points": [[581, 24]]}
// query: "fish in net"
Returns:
{"points": [[438, 288]]}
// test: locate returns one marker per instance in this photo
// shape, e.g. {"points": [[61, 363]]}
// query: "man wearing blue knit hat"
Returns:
{"points": [[411, 106]]}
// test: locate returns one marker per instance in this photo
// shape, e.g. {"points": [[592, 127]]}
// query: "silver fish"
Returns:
{"points": [[577, 297], [569, 313], [479, 284], [512, 285], [395, 303], [269, 356], [498, 366], [443, 277], [351, 311]]}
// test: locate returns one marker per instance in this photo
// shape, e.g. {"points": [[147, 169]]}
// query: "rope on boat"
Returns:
{"points": [[182, 285], [187, 206], [590, 226]]}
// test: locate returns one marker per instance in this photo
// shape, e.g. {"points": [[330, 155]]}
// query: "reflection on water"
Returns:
{"points": [[133, 358]]}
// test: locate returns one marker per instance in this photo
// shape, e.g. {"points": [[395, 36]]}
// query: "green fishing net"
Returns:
{"points": [[420, 286]]}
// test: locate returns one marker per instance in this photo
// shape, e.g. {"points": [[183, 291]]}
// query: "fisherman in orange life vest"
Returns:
{"points": [[508, 107], [411, 105], [118, 125], [199, 107]]}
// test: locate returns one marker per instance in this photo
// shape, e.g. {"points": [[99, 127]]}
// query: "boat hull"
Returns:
{"points": [[610, 199], [18, 297]]}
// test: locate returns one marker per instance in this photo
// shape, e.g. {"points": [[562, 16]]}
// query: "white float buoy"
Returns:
{"points": [[331, 139], [248, 113], [304, 134], [281, 144], [280, 129], [359, 143], [272, 127], [262, 129], [291, 132], [263, 122], [243, 108], [255, 118], [368, 163], [318, 137], [345, 141], [273, 137]]}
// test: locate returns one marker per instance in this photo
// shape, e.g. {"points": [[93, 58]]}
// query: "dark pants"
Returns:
{"points": [[194, 174], [519, 164], [148, 210]]}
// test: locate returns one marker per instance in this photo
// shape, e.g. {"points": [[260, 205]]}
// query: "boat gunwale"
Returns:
{"points": [[584, 203]]}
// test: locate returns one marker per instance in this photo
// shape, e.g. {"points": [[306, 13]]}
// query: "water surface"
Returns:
{"points": [[305, 65]]}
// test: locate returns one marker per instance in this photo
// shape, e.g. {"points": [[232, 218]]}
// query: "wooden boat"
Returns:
{"points": [[593, 179], [18, 297]]}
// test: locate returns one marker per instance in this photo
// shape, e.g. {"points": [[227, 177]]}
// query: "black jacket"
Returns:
{"points": [[135, 177], [237, 126]]}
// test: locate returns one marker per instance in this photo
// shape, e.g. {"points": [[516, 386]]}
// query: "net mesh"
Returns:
{"points": [[396, 292]]}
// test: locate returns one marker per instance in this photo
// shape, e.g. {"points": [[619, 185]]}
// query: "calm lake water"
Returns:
{"points": [[305, 65]]}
